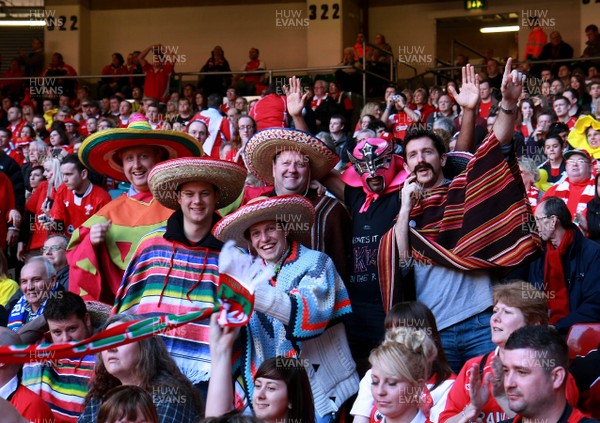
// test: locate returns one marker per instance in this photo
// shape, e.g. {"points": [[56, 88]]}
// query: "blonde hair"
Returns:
{"points": [[369, 109], [406, 353], [57, 176]]}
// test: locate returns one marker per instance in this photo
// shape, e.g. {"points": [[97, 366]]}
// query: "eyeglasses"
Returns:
{"points": [[85, 105], [246, 127], [577, 162], [53, 248], [539, 219]]}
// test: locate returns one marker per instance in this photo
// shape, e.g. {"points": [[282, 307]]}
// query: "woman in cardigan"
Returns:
{"points": [[298, 313]]}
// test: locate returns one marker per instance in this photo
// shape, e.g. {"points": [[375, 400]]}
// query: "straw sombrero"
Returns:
{"points": [[294, 212], [266, 144], [578, 135], [165, 178], [100, 151]]}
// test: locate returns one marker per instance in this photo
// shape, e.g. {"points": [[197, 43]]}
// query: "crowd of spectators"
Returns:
{"points": [[439, 243]]}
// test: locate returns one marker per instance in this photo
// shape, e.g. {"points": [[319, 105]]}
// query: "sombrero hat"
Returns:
{"points": [[294, 212], [165, 178], [100, 151], [578, 136], [266, 144]]}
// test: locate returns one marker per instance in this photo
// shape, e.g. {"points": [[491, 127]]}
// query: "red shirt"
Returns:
{"points": [[253, 65], [401, 121], [31, 406], [426, 110], [35, 205], [7, 203], [66, 209], [484, 108], [157, 81]]}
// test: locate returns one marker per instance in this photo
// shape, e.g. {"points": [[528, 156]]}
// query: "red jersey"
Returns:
{"points": [[73, 210], [484, 108], [401, 121], [16, 130]]}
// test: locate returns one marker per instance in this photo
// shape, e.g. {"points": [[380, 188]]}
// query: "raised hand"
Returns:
{"points": [[479, 390], [469, 91], [295, 97], [512, 86]]}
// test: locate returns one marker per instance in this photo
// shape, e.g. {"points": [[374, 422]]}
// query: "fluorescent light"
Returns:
{"points": [[23, 23], [492, 29]]}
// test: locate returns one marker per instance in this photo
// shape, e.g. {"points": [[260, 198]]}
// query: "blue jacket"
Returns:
{"points": [[581, 265]]}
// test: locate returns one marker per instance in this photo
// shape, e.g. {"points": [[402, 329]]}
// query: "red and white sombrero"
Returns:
{"points": [[165, 179], [294, 212], [266, 144]]}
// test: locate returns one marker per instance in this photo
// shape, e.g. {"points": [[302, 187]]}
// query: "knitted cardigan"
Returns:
{"points": [[299, 315]]}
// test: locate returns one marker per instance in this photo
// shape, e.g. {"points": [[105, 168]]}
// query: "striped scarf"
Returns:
{"points": [[575, 195], [22, 312]]}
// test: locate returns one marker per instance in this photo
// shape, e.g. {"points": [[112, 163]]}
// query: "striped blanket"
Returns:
{"points": [[166, 277]]}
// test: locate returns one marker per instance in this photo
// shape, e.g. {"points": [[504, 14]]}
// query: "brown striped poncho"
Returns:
{"points": [[481, 220]]}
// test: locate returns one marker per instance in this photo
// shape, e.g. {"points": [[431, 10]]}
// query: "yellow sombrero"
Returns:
{"points": [[578, 135]]}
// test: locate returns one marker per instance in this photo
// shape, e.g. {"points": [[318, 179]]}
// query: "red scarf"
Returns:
{"points": [[556, 286]]}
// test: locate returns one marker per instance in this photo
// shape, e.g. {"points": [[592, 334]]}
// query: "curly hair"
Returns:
{"points": [[155, 368], [406, 353]]}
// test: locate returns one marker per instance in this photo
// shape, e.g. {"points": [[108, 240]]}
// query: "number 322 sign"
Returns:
{"points": [[322, 12]]}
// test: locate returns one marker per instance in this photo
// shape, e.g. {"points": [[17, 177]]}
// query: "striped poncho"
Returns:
{"points": [[478, 221], [63, 384], [166, 276]]}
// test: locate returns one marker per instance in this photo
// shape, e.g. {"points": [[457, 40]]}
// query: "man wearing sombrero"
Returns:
{"points": [[289, 160], [101, 248], [174, 269], [299, 312]]}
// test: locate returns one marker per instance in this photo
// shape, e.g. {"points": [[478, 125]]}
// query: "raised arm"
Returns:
{"points": [[219, 399], [468, 100], [143, 54], [409, 194], [511, 88], [295, 102], [334, 184]]}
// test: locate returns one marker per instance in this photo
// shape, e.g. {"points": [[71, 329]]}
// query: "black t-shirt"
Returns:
{"points": [[367, 230]]}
